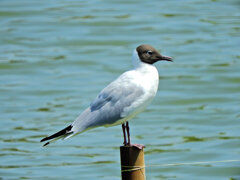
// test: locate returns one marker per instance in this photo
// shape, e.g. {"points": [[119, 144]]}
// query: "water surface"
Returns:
{"points": [[56, 56]]}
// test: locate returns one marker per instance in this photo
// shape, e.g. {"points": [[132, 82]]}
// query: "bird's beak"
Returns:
{"points": [[165, 58]]}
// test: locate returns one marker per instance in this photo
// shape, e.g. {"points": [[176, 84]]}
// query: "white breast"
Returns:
{"points": [[146, 76]]}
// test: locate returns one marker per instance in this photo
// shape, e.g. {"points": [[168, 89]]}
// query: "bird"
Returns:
{"points": [[122, 99]]}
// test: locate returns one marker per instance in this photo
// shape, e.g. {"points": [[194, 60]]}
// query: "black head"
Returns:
{"points": [[149, 55]]}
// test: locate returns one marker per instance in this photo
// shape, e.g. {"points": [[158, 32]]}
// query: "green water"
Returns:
{"points": [[55, 56]]}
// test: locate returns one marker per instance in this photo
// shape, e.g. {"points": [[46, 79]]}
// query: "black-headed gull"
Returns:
{"points": [[122, 99]]}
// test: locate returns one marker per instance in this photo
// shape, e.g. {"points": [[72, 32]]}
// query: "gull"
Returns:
{"points": [[122, 99]]}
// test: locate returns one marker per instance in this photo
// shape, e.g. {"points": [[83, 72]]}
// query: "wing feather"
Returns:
{"points": [[108, 107]]}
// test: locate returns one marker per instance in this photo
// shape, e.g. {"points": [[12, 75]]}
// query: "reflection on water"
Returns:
{"points": [[56, 56]]}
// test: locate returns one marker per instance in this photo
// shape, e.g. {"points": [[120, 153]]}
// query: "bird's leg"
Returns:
{"points": [[128, 133], [124, 134], [139, 146]]}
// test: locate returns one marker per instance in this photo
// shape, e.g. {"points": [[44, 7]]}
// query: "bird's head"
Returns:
{"points": [[150, 55]]}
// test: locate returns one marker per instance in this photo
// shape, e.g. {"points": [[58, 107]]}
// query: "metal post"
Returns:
{"points": [[132, 163]]}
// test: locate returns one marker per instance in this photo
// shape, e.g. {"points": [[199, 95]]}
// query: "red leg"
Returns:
{"points": [[128, 133], [139, 146], [124, 134]]}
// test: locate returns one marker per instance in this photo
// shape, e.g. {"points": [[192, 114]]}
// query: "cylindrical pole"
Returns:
{"points": [[132, 163]]}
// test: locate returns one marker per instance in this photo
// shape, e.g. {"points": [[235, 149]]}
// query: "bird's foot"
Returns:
{"points": [[139, 146], [125, 143]]}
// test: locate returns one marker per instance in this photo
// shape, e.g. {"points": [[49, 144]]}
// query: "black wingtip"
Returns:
{"points": [[46, 144], [44, 139], [59, 133]]}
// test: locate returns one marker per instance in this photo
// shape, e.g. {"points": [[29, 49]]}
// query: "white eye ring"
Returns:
{"points": [[149, 52]]}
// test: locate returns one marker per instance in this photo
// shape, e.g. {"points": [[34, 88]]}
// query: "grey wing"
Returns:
{"points": [[108, 106], [110, 103]]}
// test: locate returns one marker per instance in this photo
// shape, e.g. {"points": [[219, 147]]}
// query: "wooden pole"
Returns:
{"points": [[132, 163]]}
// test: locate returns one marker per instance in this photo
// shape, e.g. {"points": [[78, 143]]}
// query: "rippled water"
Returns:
{"points": [[55, 56]]}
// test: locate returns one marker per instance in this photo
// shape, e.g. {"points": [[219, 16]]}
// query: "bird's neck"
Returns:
{"points": [[135, 59], [139, 65]]}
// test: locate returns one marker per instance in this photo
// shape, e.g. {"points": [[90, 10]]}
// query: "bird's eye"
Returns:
{"points": [[149, 52]]}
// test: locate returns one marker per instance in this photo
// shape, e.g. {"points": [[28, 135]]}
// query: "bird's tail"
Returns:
{"points": [[64, 133]]}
